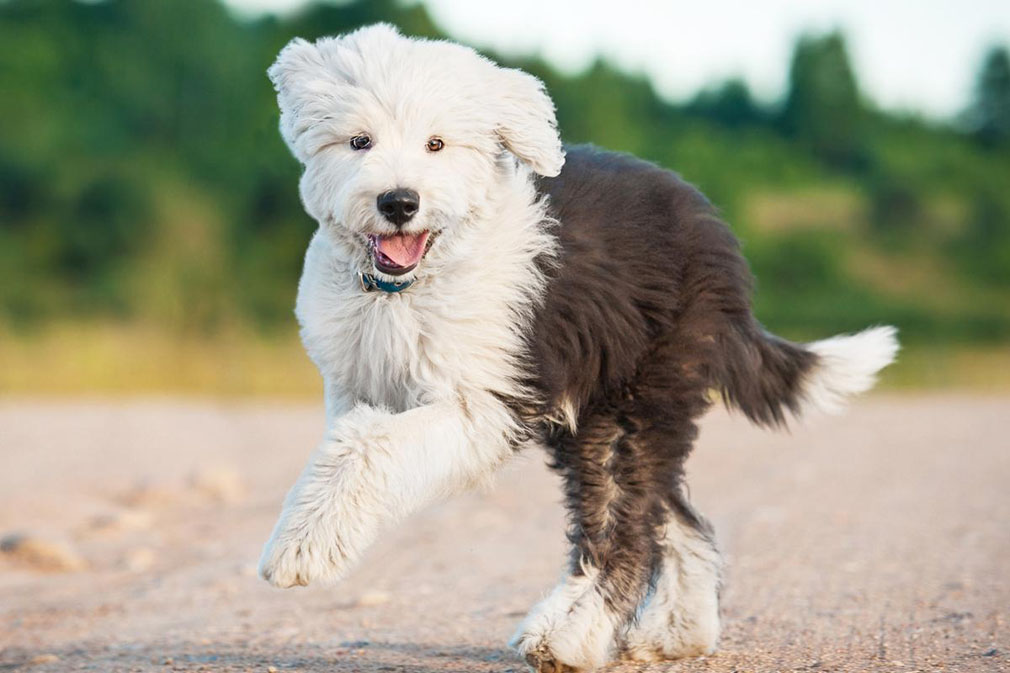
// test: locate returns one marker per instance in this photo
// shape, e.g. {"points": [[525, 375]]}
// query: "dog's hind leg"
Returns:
{"points": [[614, 514], [680, 616]]}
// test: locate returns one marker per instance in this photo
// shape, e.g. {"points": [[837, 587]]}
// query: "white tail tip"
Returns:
{"points": [[847, 365]]}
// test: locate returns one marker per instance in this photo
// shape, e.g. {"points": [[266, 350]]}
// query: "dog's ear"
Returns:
{"points": [[527, 125], [301, 79], [297, 59]]}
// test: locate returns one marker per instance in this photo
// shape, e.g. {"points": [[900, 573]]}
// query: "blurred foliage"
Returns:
{"points": [[142, 178], [823, 111], [990, 111]]}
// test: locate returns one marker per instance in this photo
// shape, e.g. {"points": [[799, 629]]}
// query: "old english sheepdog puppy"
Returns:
{"points": [[470, 292]]}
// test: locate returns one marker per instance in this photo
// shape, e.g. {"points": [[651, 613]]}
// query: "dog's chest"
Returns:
{"points": [[437, 341], [389, 352]]}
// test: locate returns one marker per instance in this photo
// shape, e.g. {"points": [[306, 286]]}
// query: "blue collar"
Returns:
{"points": [[370, 282]]}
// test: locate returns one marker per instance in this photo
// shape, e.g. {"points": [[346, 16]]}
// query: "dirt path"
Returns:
{"points": [[877, 541]]}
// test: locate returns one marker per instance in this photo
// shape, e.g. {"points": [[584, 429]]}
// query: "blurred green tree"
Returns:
{"points": [[729, 104], [989, 114], [823, 109]]}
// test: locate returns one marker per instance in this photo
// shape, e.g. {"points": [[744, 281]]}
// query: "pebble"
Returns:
{"points": [[370, 598], [41, 554], [246, 570], [122, 520], [222, 484], [147, 494], [43, 659], [139, 559]]}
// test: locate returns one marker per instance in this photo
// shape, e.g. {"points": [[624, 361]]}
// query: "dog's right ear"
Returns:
{"points": [[303, 82]]}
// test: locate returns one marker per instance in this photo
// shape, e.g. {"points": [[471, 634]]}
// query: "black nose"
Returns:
{"points": [[398, 205]]}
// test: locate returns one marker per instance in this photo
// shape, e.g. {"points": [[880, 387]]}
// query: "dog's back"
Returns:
{"points": [[649, 275]]}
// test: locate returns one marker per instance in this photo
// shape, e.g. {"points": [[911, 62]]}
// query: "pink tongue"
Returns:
{"points": [[404, 249]]}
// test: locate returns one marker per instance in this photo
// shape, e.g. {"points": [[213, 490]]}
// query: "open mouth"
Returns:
{"points": [[396, 254]]}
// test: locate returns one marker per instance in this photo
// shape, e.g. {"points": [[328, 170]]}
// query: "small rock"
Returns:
{"points": [[221, 484], [121, 521], [139, 559], [271, 669], [41, 554], [148, 494], [43, 659], [370, 598], [246, 569]]}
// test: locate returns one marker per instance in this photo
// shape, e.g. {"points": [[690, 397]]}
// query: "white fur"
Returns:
{"points": [[414, 381], [401, 92], [572, 625], [376, 467], [680, 617], [848, 366]]}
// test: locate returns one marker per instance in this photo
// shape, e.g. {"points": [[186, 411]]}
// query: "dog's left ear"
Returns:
{"points": [[527, 125]]}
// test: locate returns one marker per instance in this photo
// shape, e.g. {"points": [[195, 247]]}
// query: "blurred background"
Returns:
{"points": [[151, 235], [151, 239]]}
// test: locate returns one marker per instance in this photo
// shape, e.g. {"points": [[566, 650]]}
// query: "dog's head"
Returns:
{"points": [[402, 139]]}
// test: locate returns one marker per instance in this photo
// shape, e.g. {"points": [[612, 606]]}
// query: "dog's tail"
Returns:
{"points": [[765, 376]]}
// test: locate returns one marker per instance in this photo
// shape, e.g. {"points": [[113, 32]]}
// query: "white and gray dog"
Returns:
{"points": [[472, 291]]}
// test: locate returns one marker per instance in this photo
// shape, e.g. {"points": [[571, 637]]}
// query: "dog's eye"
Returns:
{"points": [[435, 144], [361, 142]]}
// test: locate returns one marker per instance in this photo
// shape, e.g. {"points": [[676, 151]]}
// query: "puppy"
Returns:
{"points": [[466, 297]]}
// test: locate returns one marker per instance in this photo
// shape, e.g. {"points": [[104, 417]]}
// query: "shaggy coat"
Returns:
{"points": [[586, 304]]}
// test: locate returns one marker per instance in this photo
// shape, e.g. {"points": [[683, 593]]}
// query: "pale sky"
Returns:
{"points": [[918, 55]]}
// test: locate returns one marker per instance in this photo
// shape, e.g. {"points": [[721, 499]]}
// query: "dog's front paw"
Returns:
{"points": [[539, 657], [296, 555], [330, 517]]}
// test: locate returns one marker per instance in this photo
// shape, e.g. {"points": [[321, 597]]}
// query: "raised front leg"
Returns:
{"points": [[374, 468]]}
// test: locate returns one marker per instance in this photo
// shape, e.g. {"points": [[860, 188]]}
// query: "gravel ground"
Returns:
{"points": [[879, 541]]}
